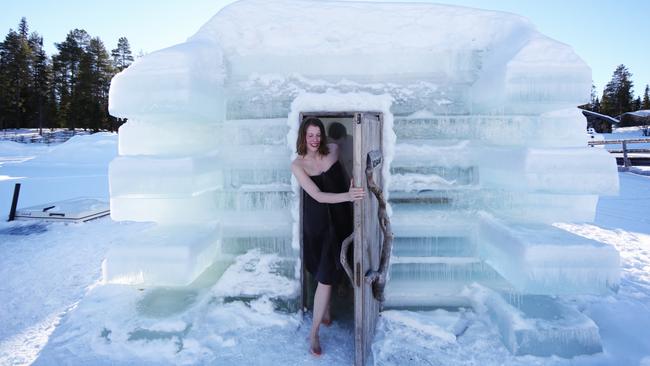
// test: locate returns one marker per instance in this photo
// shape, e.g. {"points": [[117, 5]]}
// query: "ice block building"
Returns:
{"points": [[483, 150]]}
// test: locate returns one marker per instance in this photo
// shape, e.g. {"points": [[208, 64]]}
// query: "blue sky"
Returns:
{"points": [[605, 33]]}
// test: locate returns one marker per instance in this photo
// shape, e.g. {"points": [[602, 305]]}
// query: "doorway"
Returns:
{"points": [[338, 129], [364, 156]]}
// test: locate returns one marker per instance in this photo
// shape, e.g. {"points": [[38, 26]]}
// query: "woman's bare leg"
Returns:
{"points": [[327, 317], [321, 303]]}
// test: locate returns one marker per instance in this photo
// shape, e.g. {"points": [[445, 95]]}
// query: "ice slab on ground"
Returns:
{"points": [[542, 259], [408, 337], [162, 256], [539, 325], [254, 274], [444, 293], [437, 323], [73, 210]]}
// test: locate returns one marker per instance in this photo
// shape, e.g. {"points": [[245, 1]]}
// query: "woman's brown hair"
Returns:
{"points": [[301, 143]]}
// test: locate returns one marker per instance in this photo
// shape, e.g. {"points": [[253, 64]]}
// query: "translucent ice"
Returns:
{"points": [[540, 325], [162, 255], [483, 146], [542, 259]]}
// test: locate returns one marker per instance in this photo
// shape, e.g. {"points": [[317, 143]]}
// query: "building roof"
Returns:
{"points": [[587, 113]]}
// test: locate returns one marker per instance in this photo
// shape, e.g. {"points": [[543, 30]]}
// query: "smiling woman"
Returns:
{"points": [[327, 215]]}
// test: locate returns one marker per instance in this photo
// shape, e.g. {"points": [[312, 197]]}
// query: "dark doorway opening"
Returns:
{"points": [[339, 129]]}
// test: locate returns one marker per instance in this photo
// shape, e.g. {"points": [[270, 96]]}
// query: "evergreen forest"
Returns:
{"points": [[66, 90]]}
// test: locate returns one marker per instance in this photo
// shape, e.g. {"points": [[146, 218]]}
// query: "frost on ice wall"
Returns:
{"points": [[489, 149]]}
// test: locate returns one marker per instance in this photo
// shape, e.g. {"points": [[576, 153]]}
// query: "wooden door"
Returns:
{"points": [[367, 235]]}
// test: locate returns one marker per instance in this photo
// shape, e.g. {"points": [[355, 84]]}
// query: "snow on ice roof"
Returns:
{"points": [[331, 27], [479, 59]]}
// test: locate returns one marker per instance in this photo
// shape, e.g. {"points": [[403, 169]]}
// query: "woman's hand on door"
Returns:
{"points": [[356, 194]]}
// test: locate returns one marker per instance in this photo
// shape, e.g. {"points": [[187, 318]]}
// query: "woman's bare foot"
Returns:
{"points": [[314, 347]]}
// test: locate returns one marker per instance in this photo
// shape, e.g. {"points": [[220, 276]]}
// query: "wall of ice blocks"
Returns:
{"points": [[490, 149]]}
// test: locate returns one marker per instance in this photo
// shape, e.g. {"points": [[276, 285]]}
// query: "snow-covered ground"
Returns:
{"points": [[55, 310]]}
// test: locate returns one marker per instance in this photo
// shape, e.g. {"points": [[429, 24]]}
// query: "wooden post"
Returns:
{"points": [[626, 161], [14, 202]]}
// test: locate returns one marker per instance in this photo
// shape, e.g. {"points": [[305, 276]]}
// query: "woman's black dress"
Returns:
{"points": [[325, 226]]}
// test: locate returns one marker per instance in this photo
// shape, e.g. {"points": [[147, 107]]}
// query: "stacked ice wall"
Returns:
{"points": [[490, 149]]}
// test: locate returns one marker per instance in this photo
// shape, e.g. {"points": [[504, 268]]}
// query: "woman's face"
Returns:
{"points": [[313, 138]]}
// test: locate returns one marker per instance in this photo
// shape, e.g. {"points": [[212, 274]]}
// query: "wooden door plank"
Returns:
{"points": [[359, 354], [367, 137]]}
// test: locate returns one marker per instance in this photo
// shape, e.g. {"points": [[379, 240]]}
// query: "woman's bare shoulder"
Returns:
{"points": [[297, 162]]}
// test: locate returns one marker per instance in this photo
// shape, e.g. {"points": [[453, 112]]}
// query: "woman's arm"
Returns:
{"points": [[324, 197]]}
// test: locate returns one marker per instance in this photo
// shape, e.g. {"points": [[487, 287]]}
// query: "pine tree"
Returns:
{"points": [[41, 83], [15, 78], [95, 73], [618, 95], [645, 104], [7, 56], [65, 67], [122, 56], [105, 72], [636, 104], [23, 29]]}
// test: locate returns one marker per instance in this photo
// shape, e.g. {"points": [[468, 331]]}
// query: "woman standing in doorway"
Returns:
{"points": [[327, 214]]}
